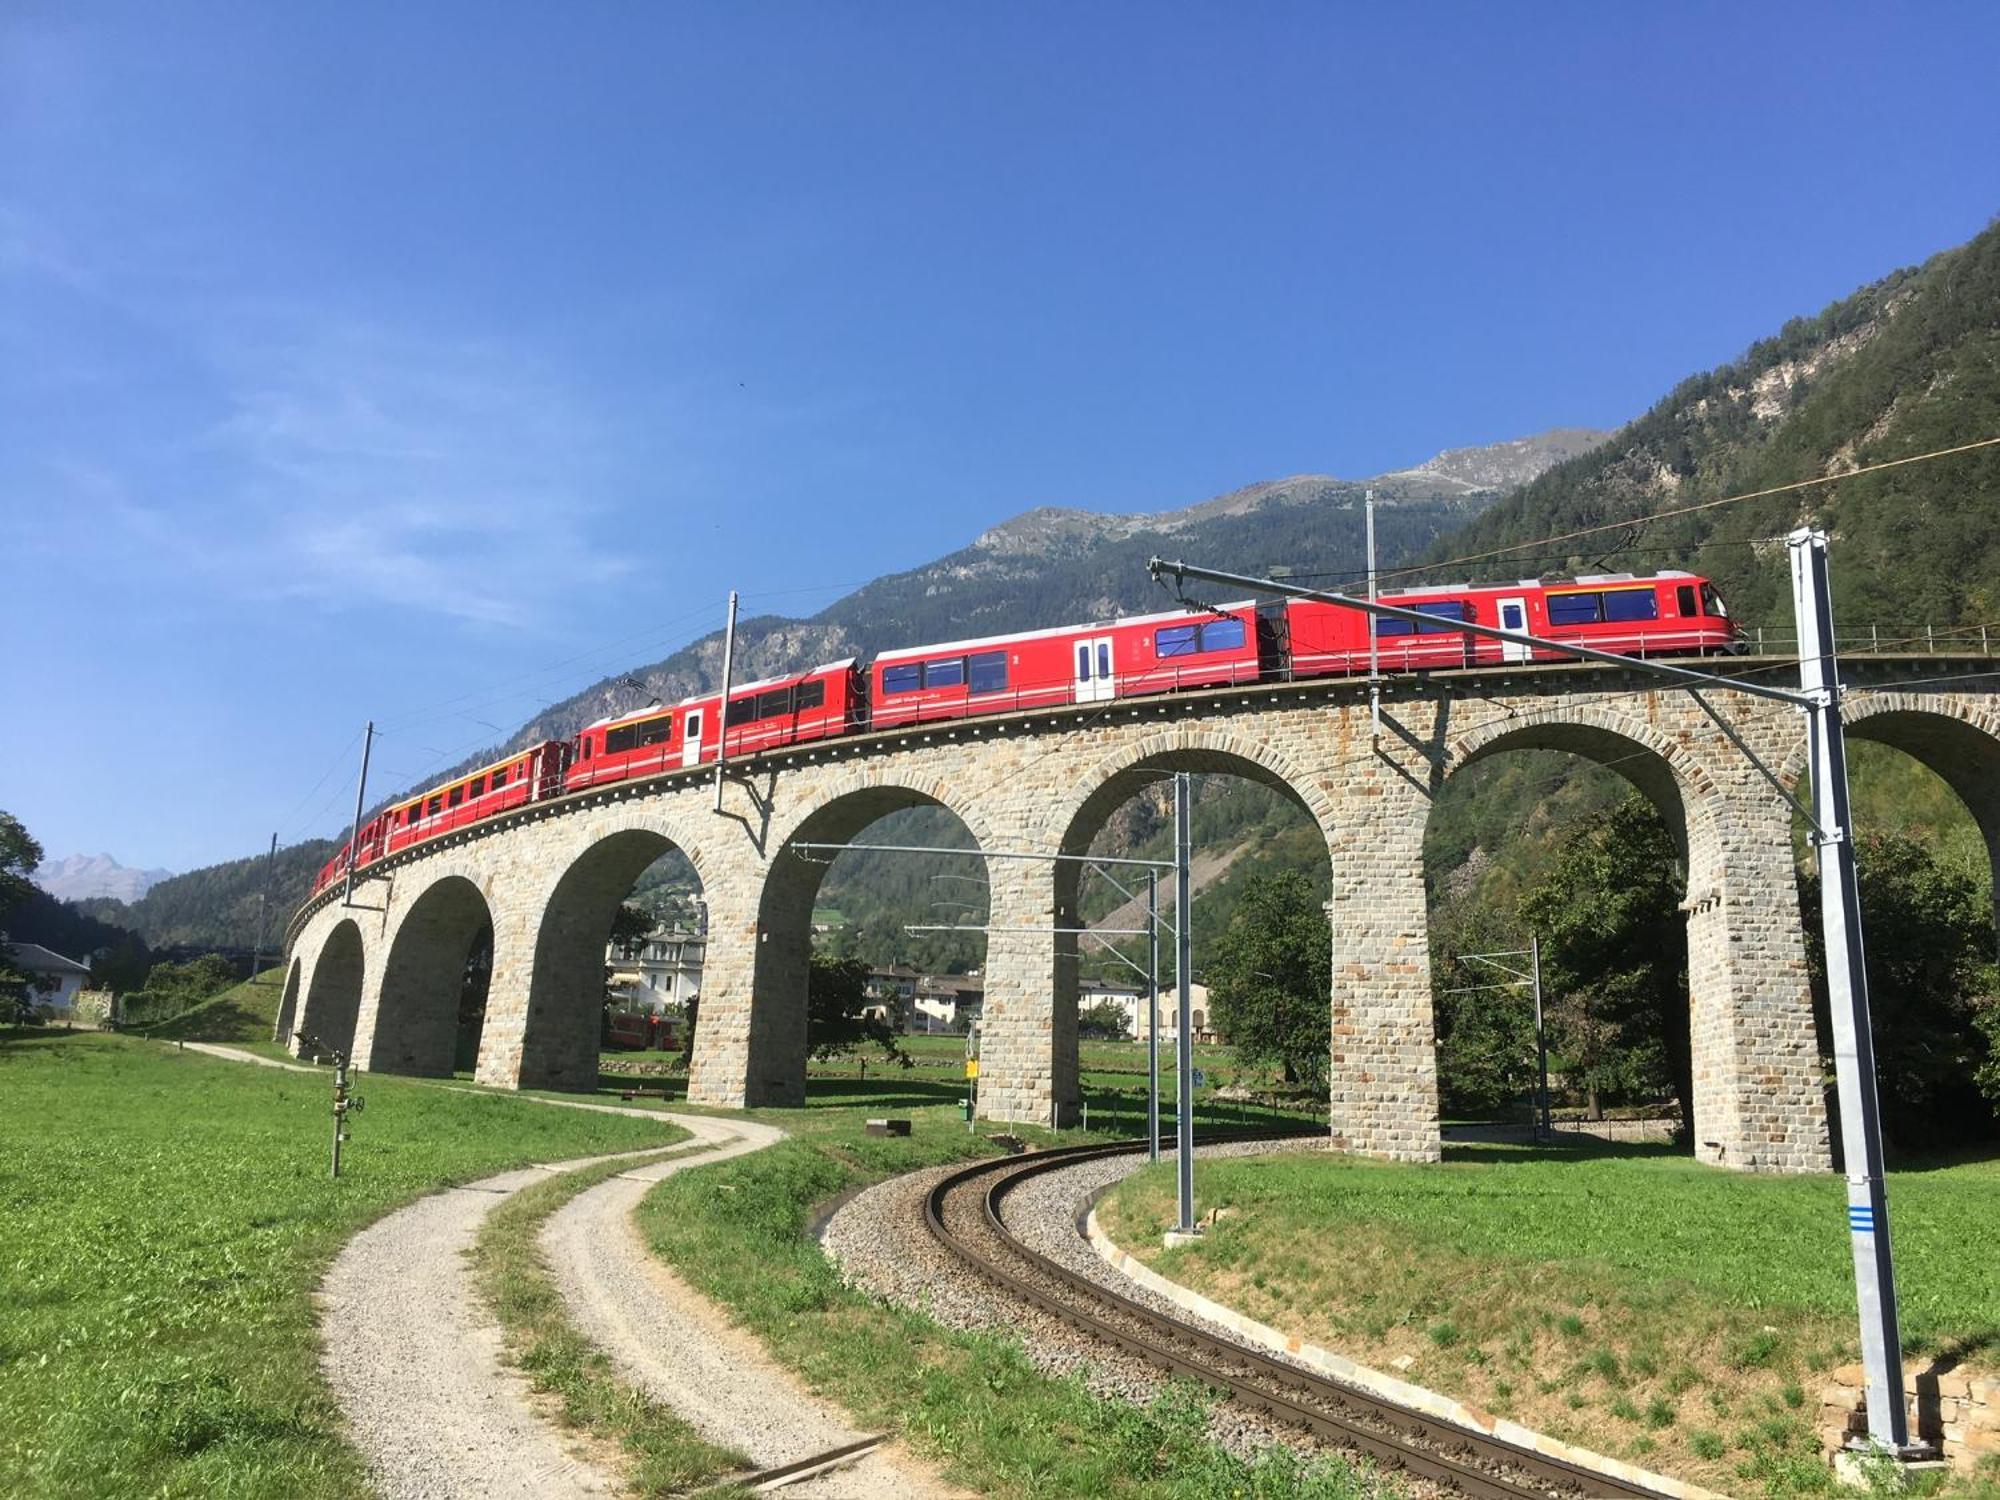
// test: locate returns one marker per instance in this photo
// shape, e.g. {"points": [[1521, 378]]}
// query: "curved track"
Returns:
{"points": [[964, 1212]]}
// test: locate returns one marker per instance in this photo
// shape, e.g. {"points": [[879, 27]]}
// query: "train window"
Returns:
{"points": [[1631, 604], [775, 704], [436, 806], [947, 671], [656, 731], [1175, 640], [457, 796], [1684, 596], [1454, 610], [478, 787], [1575, 609], [812, 695], [499, 778], [1711, 602], [587, 743], [987, 671], [1083, 662], [1385, 627], [1222, 635], [618, 741], [905, 677]]}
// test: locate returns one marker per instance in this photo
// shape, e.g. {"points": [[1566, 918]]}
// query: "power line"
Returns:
{"points": [[1688, 510]]}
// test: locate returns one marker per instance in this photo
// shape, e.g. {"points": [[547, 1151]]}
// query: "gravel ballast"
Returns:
{"points": [[882, 1246]]}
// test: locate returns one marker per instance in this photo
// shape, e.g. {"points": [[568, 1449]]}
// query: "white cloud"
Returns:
{"points": [[379, 469]]}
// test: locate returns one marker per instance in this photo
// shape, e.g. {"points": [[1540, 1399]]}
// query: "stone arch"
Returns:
{"points": [[288, 1006], [333, 997], [1108, 785], [768, 1052], [559, 1029], [1668, 772], [416, 1014], [1947, 736], [1751, 1058]]}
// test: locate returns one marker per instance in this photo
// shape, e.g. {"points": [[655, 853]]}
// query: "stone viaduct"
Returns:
{"points": [[381, 978]]}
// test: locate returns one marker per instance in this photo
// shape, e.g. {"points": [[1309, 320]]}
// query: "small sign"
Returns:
{"points": [[972, 1067], [1200, 1079]]}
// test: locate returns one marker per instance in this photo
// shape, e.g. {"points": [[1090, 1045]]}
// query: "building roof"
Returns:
{"points": [[39, 960]]}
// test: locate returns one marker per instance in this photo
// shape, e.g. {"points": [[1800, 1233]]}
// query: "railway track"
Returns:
{"points": [[964, 1212]]}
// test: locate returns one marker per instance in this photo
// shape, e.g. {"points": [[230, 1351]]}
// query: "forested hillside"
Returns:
{"points": [[218, 906], [1908, 365]]}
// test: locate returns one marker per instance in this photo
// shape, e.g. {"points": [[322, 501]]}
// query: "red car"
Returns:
{"points": [[1072, 664], [1667, 614], [778, 711]]}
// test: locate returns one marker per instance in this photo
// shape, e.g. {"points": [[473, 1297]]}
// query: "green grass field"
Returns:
{"points": [[247, 1013], [1664, 1311], [1112, 1076], [166, 1217]]}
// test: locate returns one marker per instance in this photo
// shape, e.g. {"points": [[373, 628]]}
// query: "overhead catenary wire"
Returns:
{"points": [[1703, 505]]}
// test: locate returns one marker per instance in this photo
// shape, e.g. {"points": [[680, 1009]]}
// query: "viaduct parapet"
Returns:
{"points": [[381, 978]]}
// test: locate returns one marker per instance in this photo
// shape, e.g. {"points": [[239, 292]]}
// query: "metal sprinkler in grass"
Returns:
{"points": [[343, 1102]]}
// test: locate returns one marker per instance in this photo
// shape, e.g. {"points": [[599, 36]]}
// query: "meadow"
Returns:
{"points": [[1631, 1300], [166, 1216]]}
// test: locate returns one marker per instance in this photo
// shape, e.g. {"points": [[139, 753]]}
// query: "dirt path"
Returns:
{"points": [[237, 1054], [416, 1361], [679, 1348]]}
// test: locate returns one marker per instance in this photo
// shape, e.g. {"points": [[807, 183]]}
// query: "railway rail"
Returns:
{"points": [[965, 1213]]}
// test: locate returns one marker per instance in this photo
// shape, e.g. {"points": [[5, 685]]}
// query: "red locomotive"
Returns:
{"points": [[1667, 614]]}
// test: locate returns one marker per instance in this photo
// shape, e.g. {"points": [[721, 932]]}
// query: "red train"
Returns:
{"points": [[1667, 614]]}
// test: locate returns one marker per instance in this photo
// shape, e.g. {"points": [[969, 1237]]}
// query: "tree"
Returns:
{"points": [[836, 1012], [1270, 978], [1614, 958], [1928, 939], [1106, 1019], [1987, 1075], [629, 930], [19, 855]]}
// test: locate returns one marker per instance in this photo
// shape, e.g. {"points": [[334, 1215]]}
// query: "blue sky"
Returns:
{"points": [[427, 363]]}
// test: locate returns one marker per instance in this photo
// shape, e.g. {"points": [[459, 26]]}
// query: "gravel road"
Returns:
{"points": [[415, 1360], [672, 1343]]}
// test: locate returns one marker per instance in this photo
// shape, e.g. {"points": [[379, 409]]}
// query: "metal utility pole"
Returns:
{"points": [[1531, 977], [1541, 1041], [1374, 672], [1183, 964], [263, 905], [1840, 913], [722, 706], [1847, 992], [1153, 1015], [360, 796]]}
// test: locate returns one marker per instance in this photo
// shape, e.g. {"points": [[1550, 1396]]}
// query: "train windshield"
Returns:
{"points": [[1711, 602]]}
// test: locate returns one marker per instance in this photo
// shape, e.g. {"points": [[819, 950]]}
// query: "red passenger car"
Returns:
{"points": [[762, 715], [525, 776], [1668, 614], [1072, 664]]}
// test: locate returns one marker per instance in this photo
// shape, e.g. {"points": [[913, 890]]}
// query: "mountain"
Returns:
{"points": [[84, 875], [220, 906], [1908, 365]]}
